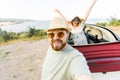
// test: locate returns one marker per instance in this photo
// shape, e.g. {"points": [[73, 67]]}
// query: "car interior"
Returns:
{"points": [[96, 34]]}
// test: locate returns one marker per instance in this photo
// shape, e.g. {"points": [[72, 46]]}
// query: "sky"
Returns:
{"points": [[44, 9]]}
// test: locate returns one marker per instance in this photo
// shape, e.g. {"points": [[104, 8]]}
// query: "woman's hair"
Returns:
{"points": [[79, 20]]}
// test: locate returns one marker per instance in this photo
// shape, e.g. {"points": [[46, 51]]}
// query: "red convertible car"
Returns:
{"points": [[102, 52]]}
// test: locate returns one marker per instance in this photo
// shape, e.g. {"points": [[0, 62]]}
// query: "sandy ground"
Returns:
{"points": [[23, 60], [115, 29]]}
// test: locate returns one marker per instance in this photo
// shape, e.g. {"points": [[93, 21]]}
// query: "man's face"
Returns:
{"points": [[58, 39]]}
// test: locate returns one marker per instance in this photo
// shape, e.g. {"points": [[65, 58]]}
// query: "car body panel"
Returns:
{"points": [[102, 57]]}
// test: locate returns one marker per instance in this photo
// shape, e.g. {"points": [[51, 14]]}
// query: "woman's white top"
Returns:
{"points": [[78, 35]]}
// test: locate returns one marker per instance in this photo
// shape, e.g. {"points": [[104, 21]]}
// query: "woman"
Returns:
{"points": [[76, 24]]}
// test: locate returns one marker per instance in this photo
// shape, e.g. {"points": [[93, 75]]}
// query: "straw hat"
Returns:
{"points": [[58, 23]]}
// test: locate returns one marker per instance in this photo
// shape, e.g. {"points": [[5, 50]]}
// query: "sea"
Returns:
{"points": [[39, 24]]}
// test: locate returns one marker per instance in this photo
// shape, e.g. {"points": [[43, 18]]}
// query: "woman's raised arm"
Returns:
{"points": [[56, 10], [89, 10]]}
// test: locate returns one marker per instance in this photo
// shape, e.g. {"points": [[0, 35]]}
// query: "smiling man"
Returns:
{"points": [[62, 61]]}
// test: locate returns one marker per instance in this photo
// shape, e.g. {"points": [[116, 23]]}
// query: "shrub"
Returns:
{"points": [[31, 32], [113, 22], [4, 36], [36, 33], [101, 24]]}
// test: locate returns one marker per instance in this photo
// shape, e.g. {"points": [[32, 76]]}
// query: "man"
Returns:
{"points": [[63, 62]]}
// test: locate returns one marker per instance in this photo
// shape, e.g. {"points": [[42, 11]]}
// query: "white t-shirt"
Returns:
{"points": [[78, 35], [67, 64]]}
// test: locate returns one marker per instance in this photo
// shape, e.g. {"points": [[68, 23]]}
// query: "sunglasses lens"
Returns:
{"points": [[60, 34], [51, 35], [75, 20]]}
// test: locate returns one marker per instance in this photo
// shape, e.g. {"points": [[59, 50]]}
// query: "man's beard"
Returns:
{"points": [[58, 48]]}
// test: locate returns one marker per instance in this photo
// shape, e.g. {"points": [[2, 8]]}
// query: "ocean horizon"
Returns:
{"points": [[41, 24]]}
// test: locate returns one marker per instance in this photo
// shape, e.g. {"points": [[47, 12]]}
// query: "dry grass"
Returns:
{"points": [[22, 40]]}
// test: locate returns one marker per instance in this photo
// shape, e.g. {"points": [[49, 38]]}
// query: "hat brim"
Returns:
{"points": [[67, 29]]}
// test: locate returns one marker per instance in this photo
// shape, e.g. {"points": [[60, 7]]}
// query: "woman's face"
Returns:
{"points": [[75, 22]]}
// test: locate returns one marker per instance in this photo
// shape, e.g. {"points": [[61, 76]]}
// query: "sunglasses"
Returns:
{"points": [[75, 20], [59, 34]]}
